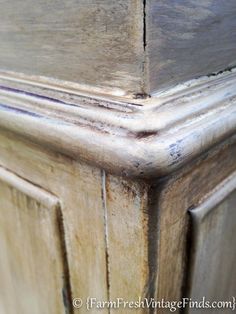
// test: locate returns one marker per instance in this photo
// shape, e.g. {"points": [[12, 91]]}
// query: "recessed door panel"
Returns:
{"points": [[213, 251], [32, 277]]}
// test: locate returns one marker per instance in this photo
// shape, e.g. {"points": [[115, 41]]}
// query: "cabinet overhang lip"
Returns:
{"points": [[128, 146], [124, 155], [173, 107]]}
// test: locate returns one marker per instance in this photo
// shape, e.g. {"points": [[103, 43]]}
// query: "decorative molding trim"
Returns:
{"points": [[142, 138], [212, 227], [41, 196], [54, 206], [212, 200]]}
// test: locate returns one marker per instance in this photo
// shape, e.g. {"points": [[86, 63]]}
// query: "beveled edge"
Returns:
{"points": [[199, 213], [41, 196], [216, 196], [145, 138]]}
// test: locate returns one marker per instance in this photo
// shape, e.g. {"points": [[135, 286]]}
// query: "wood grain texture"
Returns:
{"points": [[95, 43], [213, 251], [187, 39], [31, 261]]}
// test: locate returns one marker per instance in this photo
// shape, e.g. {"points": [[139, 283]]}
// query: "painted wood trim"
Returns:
{"points": [[213, 228], [146, 139], [81, 214], [205, 207], [183, 190], [217, 196], [43, 197], [52, 204]]}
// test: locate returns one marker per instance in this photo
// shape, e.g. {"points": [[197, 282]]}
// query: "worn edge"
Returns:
{"points": [[41, 196], [199, 213], [214, 198], [123, 137]]}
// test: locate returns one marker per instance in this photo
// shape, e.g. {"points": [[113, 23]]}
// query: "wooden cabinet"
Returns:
{"points": [[117, 154]]}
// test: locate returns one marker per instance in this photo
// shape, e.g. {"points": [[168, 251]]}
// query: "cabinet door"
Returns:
{"points": [[32, 276], [213, 256]]}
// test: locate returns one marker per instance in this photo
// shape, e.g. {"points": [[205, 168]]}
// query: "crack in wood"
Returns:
{"points": [[106, 234]]}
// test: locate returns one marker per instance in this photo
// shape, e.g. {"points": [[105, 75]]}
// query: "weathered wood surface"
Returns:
{"points": [[184, 190], [119, 233], [213, 254], [105, 221], [187, 39], [94, 43], [80, 190], [124, 237], [33, 278], [127, 237]]}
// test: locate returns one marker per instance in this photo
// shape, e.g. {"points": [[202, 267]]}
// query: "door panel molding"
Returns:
{"points": [[211, 271], [33, 263]]}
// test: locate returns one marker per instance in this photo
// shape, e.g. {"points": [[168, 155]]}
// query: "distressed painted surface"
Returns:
{"points": [[95, 42], [184, 190], [122, 240], [141, 141], [213, 252], [114, 46], [106, 222], [127, 238], [124, 237], [187, 39], [31, 260], [80, 189]]}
